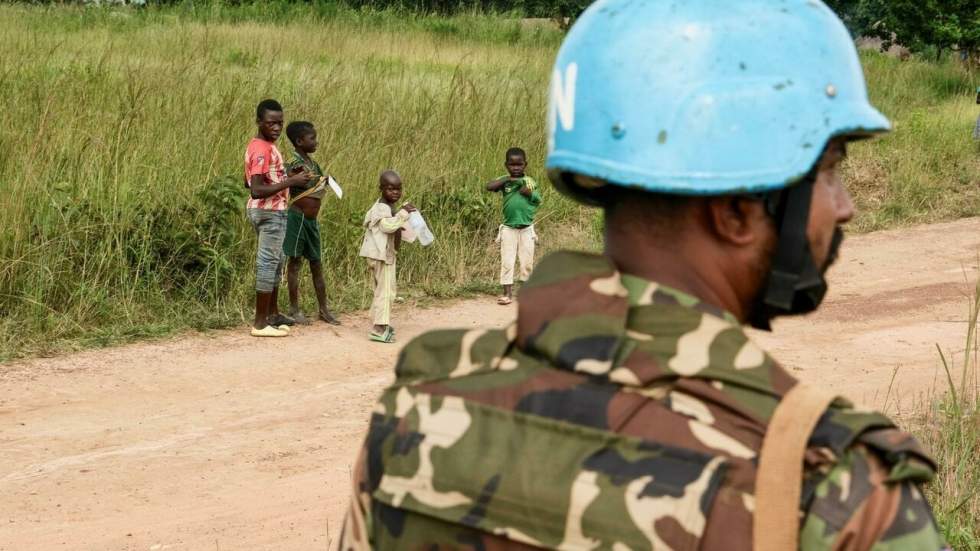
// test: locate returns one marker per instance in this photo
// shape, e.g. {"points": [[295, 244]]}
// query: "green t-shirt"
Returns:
{"points": [[518, 209]]}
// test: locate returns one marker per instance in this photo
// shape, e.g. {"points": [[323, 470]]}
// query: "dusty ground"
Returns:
{"points": [[194, 444]]}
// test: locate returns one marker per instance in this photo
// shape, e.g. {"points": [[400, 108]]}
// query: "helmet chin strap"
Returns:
{"points": [[795, 284]]}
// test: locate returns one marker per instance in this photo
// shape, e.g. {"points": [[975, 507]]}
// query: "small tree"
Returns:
{"points": [[916, 24]]}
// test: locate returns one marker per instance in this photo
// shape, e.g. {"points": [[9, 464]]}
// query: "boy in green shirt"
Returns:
{"points": [[516, 235]]}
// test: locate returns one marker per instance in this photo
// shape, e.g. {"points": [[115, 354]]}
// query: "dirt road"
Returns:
{"points": [[196, 444]]}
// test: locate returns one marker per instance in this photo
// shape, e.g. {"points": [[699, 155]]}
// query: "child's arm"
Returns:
{"points": [[296, 167], [394, 223], [531, 192], [498, 184], [260, 190]]}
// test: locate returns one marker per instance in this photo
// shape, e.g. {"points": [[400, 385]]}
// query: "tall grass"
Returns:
{"points": [[928, 168], [950, 428], [123, 132]]}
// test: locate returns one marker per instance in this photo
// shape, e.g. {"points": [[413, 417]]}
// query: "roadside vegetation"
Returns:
{"points": [[949, 425], [928, 169], [124, 130]]}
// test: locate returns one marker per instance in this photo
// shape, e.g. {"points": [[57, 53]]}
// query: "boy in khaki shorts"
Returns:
{"points": [[516, 236]]}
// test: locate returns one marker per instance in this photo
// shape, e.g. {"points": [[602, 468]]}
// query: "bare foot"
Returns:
{"points": [[326, 316], [299, 317]]}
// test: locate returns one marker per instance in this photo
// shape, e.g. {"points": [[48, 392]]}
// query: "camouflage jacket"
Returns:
{"points": [[615, 414]]}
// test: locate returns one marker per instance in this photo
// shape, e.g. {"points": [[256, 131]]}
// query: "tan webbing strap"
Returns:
{"points": [[779, 481], [319, 185]]}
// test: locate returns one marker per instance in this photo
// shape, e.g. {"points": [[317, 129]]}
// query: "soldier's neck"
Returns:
{"points": [[684, 268]]}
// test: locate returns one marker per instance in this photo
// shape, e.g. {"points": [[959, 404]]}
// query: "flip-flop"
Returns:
{"points": [[269, 331], [387, 337], [282, 328], [504, 301]]}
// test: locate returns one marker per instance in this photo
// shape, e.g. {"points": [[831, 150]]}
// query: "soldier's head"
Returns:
{"points": [[711, 132]]}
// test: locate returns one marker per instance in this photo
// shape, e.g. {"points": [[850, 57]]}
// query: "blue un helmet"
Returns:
{"points": [[703, 97], [711, 97]]}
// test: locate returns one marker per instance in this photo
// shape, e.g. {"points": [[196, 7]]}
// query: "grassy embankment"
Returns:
{"points": [[928, 169], [124, 130], [124, 133]]}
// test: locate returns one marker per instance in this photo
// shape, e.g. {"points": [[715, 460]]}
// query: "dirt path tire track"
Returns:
{"points": [[194, 443]]}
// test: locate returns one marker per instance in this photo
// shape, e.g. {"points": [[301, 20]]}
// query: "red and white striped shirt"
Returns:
{"points": [[262, 157]]}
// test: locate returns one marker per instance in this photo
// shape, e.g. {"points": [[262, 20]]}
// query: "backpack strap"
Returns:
{"points": [[778, 482]]}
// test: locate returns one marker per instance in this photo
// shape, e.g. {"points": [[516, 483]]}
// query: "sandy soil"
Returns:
{"points": [[198, 444]]}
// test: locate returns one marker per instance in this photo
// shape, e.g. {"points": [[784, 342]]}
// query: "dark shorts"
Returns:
{"points": [[302, 236]]}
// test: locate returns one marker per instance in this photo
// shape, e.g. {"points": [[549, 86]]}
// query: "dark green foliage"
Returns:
{"points": [[192, 249], [938, 25]]}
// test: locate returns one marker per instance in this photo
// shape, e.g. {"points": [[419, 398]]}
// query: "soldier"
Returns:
{"points": [[626, 408]]}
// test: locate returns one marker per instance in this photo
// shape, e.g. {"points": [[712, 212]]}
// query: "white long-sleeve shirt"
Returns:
{"points": [[379, 232]]}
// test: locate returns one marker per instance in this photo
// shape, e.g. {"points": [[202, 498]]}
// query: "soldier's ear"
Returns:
{"points": [[738, 221]]}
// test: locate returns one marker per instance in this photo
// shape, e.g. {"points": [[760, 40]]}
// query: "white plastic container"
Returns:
{"points": [[421, 229]]}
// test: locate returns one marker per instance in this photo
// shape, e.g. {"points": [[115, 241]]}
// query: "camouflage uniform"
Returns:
{"points": [[615, 414]]}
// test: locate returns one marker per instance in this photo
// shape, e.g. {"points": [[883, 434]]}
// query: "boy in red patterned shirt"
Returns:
{"points": [[265, 176]]}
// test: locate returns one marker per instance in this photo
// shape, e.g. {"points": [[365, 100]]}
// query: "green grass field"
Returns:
{"points": [[124, 132]]}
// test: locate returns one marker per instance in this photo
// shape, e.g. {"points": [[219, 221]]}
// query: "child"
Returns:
{"points": [[516, 235], [302, 228], [265, 176], [382, 237], [976, 130]]}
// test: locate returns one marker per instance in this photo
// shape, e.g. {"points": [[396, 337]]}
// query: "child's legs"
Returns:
{"points": [[311, 250], [508, 254], [269, 228], [292, 277], [278, 234], [292, 247], [525, 252], [377, 302], [384, 292], [319, 286]]}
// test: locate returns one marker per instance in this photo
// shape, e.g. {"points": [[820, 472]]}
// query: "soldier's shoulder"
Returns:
{"points": [[451, 353]]}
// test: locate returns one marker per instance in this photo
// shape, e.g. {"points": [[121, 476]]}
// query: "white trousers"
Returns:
{"points": [[516, 245], [384, 291]]}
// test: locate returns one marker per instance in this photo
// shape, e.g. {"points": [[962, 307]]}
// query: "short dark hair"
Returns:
{"points": [[266, 105], [297, 129], [515, 152], [663, 210]]}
